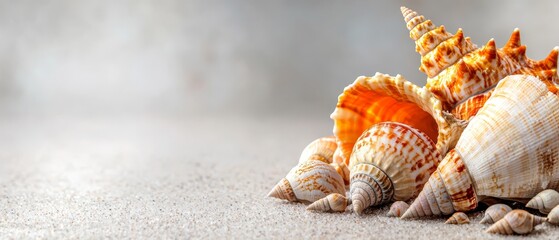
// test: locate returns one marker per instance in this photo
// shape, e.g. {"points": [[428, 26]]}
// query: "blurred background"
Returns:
{"points": [[213, 58]]}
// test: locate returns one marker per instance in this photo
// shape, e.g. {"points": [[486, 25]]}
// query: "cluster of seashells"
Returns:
{"points": [[483, 127]]}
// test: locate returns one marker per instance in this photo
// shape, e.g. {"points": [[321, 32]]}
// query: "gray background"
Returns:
{"points": [[227, 57]]}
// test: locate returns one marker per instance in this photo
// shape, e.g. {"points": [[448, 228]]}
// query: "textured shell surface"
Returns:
{"points": [[457, 69], [553, 216], [495, 213], [390, 162], [458, 218], [321, 149], [397, 209], [510, 150], [544, 201], [309, 181], [381, 98], [516, 222], [334, 202]]}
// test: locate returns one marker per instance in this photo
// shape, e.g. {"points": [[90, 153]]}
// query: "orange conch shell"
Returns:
{"points": [[381, 98], [457, 69]]}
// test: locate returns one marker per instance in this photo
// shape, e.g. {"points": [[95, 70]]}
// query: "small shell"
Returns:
{"points": [[458, 218], [517, 221], [495, 213], [334, 202], [321, 149], [544, 201], [553, 216], [309, 181], [397, 209]]}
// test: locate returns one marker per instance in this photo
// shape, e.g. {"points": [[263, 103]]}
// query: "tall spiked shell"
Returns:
{"points": [[457, 69], [509, 150], [309, 181], [381, 98], [390, 162]]}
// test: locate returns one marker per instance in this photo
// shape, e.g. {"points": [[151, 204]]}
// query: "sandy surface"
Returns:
{"points": [[155, 177]]}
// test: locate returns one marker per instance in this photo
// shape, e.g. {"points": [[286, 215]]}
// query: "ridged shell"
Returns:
{"points": [[390, 162], [397, 209], [495, 213], [342, 169], [516, 222], [553, 216], [457, 69], [509, 150], [334, 202], [309, 181], [321, 149], [458, 218], [381, 98], [544, 201]]}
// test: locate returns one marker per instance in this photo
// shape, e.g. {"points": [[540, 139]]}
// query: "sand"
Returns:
{"points": [[146, 177]]}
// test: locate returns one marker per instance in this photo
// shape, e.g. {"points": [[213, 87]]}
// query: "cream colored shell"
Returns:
{"points": [[397, 209], [516, 222], [553, 216], [458, 218], [544, 201], [495, 213], [321, 149], [334, 202]]}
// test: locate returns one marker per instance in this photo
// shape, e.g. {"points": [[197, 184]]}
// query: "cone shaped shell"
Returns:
{"points": [[516, 222], [334, 202], [458, 218], [457, 69], [509, 150], [382, 98], [321, 149], [309, 181], [390, 161], [544, 201], [495, 213]]}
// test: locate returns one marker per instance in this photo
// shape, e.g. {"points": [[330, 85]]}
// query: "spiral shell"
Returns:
{"points": [[334, 202], [382, 98], [516, 222], [495, 213], [309, 181], [553, 216], [321, 149], [458, 218], [544, 201], [509, 150], [397, 209], [457, 69], [390, 162]]}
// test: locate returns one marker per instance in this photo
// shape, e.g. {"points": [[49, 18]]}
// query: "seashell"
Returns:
{"points": [[309, 181], [382, 98], [516, 222], [508, 151], [495, 212], [457, 69], [458, 218], [553, 216], [390, 162], [334, 202], [398, 208], [544, 201], [321, 149], [342, 169]]}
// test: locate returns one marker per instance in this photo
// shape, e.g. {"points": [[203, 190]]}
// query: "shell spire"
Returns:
{"points": [[457, 69]]}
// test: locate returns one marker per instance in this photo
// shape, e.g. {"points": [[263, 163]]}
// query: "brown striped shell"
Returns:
{"points": [[390, 162], [334, 202], [508, 151], [516, 222], [458, 218], [381, 98], [457, 69], [309, 181]]}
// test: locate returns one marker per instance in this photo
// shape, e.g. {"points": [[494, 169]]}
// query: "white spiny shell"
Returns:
{"points": [[309, 181], [321, 149], [390, 162], [509, 151], [553, 216], [397, 209], [516, 222], [334, 202], [495, 213], [458, 218], [544, 201]]}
